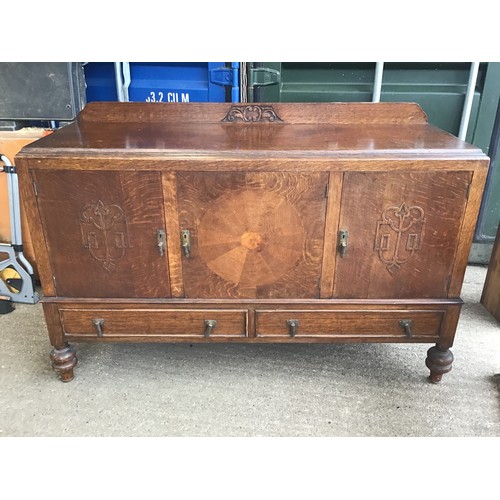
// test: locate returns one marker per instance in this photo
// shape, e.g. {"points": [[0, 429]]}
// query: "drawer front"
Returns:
{"points": [[396, 324], [185, 323]]}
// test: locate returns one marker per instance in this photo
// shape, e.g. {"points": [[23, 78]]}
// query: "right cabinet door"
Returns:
{"points": [[402, 233]]}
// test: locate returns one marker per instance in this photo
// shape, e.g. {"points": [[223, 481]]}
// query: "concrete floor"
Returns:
{"points": [[257, 390]]}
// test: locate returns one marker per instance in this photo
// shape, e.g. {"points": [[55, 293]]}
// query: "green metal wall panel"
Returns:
{"points": [[489, 109], [439, 88]]}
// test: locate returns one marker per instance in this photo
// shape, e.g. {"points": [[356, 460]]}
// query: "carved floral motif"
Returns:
{"points": [[400, 233], [104, 233], [252, 113]]}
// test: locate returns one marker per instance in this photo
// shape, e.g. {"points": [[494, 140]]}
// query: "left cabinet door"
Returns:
{"points": [[103, 230]]}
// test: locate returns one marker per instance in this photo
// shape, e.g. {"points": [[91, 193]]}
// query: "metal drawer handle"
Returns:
{"points": [[210, 324], [293, 324], [98, 324], [405, 324]]}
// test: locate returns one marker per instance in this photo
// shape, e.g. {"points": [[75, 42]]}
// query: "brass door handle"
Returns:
{"points": [[98, 324], [405, 324], [293, 324], [161, 241], [343, 242], [210, 324], [186, 242]]}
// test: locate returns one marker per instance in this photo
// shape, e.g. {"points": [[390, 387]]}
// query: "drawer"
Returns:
{"points": [[114, 323], [393, 324]]}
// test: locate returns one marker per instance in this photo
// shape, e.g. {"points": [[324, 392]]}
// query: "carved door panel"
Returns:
{"points": [[403, 230], [253, 235], [101, 232]]}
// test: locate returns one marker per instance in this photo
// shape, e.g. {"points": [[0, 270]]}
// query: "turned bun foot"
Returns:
{"points": [[439, 362], [63, 362]]}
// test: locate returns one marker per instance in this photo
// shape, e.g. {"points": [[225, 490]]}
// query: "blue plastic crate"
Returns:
{"points": [[101, 81], [166, 82]]}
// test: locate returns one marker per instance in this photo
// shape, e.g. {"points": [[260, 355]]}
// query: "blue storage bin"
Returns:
{"points": [[166, 82], [101, 81], [182, 82]]}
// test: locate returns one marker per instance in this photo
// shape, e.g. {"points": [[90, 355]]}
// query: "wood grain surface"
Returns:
{"points": [[242, 321], [331, 234], [474, 197], [173, 232], [490, 297], [348, 323], [100, 229], [418, 261], [317, 113], [306, 129], [151, 322], [253, 235], [264, 191], [28, 198]]}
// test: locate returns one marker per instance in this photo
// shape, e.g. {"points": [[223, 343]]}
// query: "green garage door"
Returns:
{"points": [[439, 88]]}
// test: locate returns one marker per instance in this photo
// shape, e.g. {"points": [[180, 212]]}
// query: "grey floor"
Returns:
{"points": [[243, 390]]}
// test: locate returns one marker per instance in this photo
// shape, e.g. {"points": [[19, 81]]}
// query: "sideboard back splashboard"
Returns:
{"points": [[184, 222]]}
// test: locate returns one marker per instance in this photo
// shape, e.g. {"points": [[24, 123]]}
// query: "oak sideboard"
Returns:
{"points": [[213, 222]]}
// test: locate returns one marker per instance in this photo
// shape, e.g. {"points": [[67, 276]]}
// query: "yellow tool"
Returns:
{"points": [[12, 279]]}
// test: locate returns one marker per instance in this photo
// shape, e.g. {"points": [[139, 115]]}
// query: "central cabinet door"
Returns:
{"points": [[252, 235]]}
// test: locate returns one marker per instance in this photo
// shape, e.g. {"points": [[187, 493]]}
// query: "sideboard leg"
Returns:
{"points": [[63, 361], [439, 361]]}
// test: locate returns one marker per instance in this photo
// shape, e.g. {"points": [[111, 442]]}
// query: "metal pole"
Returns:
{"points": [[16, 221], [126, 80], [377, 84], [119, 82], [243, 82], [15, 214], [250, 88], [12, 211], [235, 88], [469, 96]]}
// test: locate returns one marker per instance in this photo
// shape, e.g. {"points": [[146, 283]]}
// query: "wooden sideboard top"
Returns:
{"points": [[273, 130]]}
